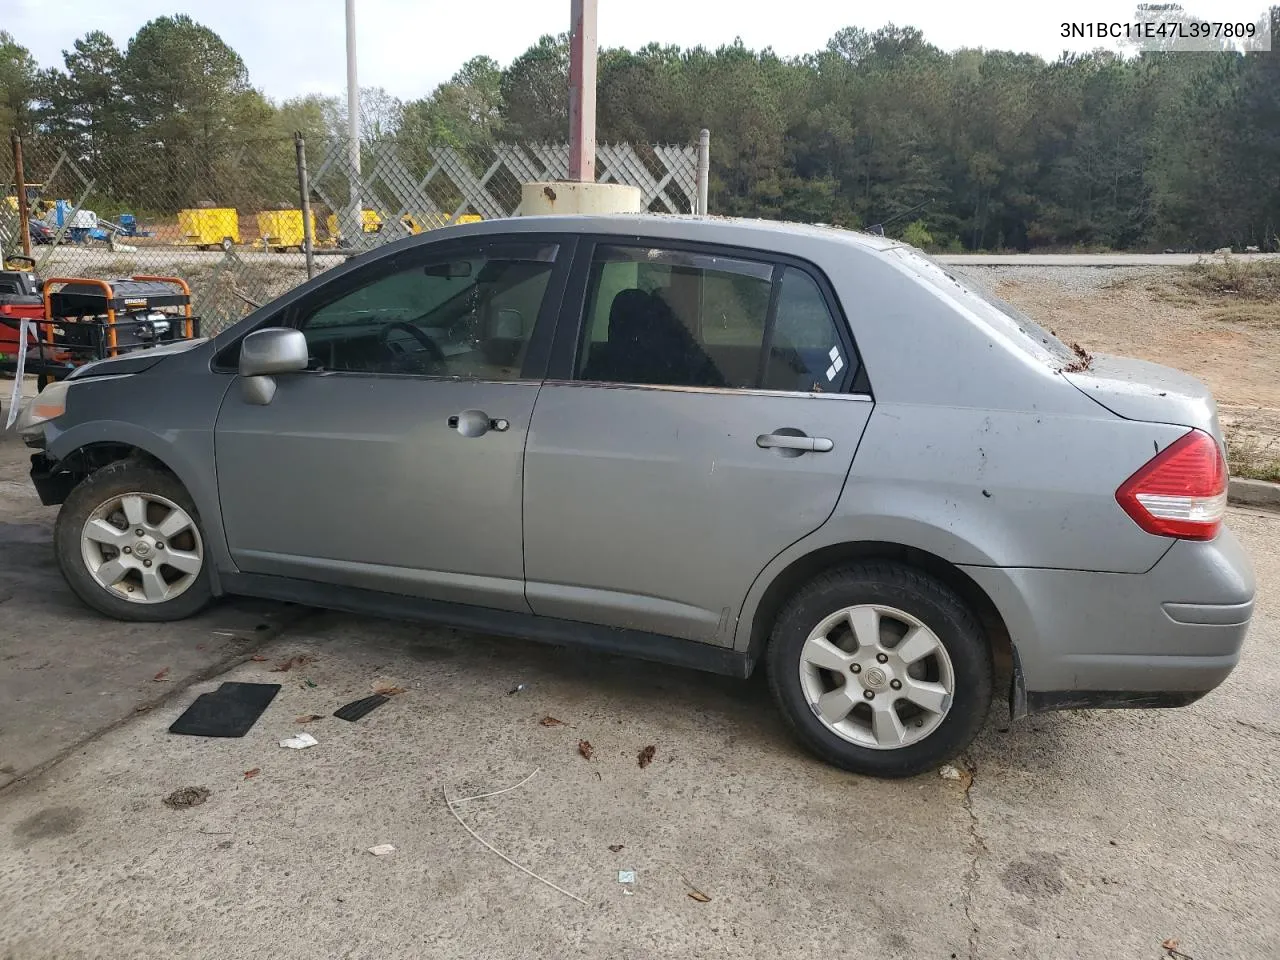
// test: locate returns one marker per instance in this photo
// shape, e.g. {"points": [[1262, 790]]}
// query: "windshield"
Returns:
{"points": [[1004, 317]]}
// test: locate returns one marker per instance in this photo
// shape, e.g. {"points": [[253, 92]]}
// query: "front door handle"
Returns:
{"points": [[794, 440], [476, 423]]}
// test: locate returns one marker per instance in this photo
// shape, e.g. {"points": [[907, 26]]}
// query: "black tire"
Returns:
{"points": [[114, 480], [929, 601]]}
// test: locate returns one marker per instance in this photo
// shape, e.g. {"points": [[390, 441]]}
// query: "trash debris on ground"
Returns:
{"points": [[549, 721], [356, 709], [628, 880], [284, 666], [230, 711], [646, 755], [453, 804], [250, 774], [585, 748], [258, 658], [948, 772], [382, 849], [389, 691], [185, 797], [695, 893], [615, 847], [162, 676], [308, 718], [518, 688], [1170, 947], [299, 741]]}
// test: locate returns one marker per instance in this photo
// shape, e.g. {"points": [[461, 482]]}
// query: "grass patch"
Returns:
{"points": [[1234, 279], [1258, 313], [1252, 458]]}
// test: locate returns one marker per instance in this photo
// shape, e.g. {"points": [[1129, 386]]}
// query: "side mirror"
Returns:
{"points": [[273, 350], [266, 352], [508, 325]]}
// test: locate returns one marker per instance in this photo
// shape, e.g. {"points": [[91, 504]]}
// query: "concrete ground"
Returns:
{"points": [[1080, 835]]}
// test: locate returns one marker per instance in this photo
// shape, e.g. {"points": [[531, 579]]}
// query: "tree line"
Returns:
{"points": [[969, 149]]}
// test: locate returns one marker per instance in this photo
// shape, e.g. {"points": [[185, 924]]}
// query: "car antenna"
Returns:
{"points": [[878, 228]]}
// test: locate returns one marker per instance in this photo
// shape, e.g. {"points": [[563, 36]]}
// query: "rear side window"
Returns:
{"points": [[669, 317], [805, 351], [679, 318]]}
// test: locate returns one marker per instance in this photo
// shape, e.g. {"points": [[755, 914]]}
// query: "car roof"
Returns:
{"points": [[732, 231]]}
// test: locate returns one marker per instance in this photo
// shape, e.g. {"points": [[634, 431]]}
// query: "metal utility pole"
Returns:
{"points": [[24, 228], [582, 90], [353, 123], [704, 170], [304, 197]]}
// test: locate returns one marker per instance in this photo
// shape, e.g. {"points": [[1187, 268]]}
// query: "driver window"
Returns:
{"points": [[469, 316]]}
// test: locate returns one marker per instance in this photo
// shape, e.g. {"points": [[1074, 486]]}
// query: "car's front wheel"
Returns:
{"points": [[880, 669], [129, 544]]}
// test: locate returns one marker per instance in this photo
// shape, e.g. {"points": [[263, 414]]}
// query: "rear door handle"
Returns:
{"points": [[798, 441]]}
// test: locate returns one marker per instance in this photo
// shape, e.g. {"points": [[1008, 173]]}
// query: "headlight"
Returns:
{"points": [[48, 403]]}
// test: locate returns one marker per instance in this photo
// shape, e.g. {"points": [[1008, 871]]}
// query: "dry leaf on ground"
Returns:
{"points": [[185, 797], [308, 718], [250, 774], [389, 691], [284, 666], [258, 658], [585, 748], [646, 755], [699, 896], [615, 847], [162, 676], [551, 722]]}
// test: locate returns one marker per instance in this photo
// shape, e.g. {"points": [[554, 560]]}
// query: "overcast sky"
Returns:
{"points": [[409, 46]]}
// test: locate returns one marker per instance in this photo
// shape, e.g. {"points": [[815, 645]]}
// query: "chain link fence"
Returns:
{"points": [[229, 221]]}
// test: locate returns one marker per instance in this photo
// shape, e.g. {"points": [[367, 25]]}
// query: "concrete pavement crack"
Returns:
{"points": [[977, 847]]}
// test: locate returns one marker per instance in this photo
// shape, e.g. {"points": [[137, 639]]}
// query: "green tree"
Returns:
{"points": [[535, 92], [19, 85], [85, 112]]}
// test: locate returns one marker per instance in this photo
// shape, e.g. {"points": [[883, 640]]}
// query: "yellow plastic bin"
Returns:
{"points": [[209, 227]]}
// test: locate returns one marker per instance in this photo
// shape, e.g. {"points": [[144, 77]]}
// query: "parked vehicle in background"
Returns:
{"points": [[704, 442], [41, 232]]}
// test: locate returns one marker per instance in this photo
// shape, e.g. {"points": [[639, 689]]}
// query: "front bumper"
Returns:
{"points": [[52, 483], [1161, 638]]}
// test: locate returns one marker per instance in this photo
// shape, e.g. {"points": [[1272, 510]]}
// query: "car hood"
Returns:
{"points": [[1138, 390], [134, 362]]}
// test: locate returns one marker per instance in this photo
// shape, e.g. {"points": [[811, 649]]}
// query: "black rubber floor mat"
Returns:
{"points": [[356, 709], [230, 711]]}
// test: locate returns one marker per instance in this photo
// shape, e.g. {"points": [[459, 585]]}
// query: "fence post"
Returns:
{"points": [[704, 168], [304, 192], [19, 176]]}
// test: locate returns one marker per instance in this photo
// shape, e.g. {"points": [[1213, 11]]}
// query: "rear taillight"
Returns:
{"points": [[1181, 491]]}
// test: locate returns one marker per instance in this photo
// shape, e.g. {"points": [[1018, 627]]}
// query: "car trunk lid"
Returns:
{"points": [[1139, 390]]}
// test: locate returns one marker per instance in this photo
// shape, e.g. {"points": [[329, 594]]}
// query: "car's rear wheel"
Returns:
{"points": [[129, 543], [880, 669]]}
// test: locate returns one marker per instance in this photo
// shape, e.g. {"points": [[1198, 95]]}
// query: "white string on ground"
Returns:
{"points": [[491, 848], [481, 796]]}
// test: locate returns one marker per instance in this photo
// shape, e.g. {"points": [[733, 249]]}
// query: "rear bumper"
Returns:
{"points": [[1161, 638]]}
